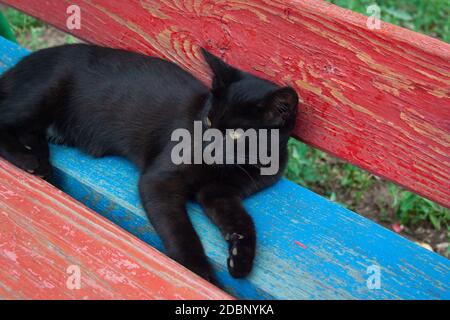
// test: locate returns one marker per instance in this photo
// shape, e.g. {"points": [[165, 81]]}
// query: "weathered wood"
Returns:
{"points": [[308, 247], [43, 232], [338, 245], [379, 99]]}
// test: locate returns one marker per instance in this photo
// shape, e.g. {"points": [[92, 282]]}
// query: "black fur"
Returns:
{"points": [[113, 102]]}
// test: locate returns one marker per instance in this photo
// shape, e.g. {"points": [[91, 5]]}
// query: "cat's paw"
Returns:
{"points": [[25, 161], [241, 254], [44, 170], [32, 164]]}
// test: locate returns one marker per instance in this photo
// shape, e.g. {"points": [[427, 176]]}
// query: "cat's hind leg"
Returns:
{"points": [[36, 142], [13, 151], [27, 106], [27, 151]]}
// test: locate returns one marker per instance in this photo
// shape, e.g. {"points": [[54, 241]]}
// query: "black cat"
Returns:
{"points": [[114, 102]]}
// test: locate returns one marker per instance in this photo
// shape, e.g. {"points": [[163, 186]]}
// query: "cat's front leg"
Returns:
{"points": [[224, 206], [164, 198]]}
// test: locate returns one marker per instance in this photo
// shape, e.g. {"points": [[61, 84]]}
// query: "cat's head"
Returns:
{"points": [[242, 100], [264, 112]]}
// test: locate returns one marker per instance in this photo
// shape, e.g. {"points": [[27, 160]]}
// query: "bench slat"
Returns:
{"points": [[43, 232], [378, 99], [308, 247]]}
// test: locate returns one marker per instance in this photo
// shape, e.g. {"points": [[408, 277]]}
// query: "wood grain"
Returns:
{"points": [[378, 99], [43, 232], [308, 247], [339, 245]]}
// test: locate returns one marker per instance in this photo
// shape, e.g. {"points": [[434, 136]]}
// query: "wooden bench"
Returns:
{"points": [[376, 98], [47, 240]]}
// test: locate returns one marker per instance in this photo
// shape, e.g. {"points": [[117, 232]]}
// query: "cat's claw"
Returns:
{"points": [[33, 165], [233, 237]]}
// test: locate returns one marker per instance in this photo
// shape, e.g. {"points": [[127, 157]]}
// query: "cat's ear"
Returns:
{"points": [[224, 74], [281, 104]]}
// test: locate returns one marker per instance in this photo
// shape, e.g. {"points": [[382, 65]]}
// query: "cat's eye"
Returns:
{"points": [[235, 135]]}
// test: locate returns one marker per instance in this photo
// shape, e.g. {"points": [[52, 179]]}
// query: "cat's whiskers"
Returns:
{"points": [[248, 174]]}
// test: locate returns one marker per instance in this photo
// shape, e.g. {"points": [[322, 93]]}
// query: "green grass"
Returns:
{"points": [[29, 31], [430, 17], [359, 190], [336, 180]]}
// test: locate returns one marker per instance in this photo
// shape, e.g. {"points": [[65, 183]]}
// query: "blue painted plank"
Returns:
{"points": [[309, 247]]}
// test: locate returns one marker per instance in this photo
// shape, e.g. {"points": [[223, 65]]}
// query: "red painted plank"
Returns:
{"points": [[379, 99], [43, 232]]}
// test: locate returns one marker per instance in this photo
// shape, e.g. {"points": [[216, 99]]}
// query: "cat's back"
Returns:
{"points": [[130, 66], [132, 96], [132, 80]]}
